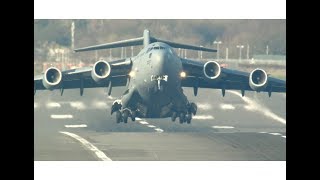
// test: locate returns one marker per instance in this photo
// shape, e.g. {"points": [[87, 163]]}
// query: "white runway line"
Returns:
{"points": [[158, 130], [276, 134], [254, 106], [78, 105], [203, 117], [223, 127], [35, 105], [75, 126], [53, 105], [61, 116], [205, 106], [227, 107], [284, 137], [262, 132], [143, 122], [88, 145]]}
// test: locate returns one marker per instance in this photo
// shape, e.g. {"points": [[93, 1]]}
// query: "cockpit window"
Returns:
{"points": [[158, 47]]}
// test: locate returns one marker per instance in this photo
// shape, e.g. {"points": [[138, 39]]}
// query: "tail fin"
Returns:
{"points": [[145, 40]]}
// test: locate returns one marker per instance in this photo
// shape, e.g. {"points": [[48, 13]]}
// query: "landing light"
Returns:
{"points": [[183, 74]]}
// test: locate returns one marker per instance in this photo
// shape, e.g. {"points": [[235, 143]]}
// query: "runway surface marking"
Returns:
{"points": [[227, 107], [78, 105], [223, 127], [88, 145], [61, 116], [278, 134], [158, 130], [75, 126], [204, 106], [51, 105], [275, 134], [254, 106], [203, 117], [144, 122]]}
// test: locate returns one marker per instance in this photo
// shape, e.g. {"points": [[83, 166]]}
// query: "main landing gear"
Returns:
{"points": [[122, 115], [185, 117]]}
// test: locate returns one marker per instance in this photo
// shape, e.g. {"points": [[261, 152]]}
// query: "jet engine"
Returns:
{"points": [[52, 78], [258, 79], [212, 70], [100, 71]]}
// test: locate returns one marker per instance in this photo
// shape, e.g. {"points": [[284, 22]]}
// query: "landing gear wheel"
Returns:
{"points": [[188, 118], [125, 115], [174, 116], [118, 116], [182, 118], [133, 116], [193, 108]]}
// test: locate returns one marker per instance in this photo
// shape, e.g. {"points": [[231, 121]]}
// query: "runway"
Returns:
{"points": [[71, 127]]}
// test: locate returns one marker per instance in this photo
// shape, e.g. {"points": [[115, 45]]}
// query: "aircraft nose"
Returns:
{"points": [[160, 58]]}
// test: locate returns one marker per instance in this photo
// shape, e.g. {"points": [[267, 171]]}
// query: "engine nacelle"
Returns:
{"points": [[100, 71], [258, 79], [51, 78], [212, 69]]}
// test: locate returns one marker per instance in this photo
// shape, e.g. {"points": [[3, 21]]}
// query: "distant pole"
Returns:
{"points": [[227, 53], [121, 52], [72, 35], [267, 50], [201, 53], [131, 51], [217, 43], [185, 53], [248, 48], [240, 48], [96, 55], [125, 52], [110, 54]]}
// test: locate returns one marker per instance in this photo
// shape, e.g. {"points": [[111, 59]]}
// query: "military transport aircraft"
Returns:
{"points": [[154, 79]]}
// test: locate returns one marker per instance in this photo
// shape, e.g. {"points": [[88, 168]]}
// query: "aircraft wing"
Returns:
{"points": [[99, 75], [208, 75]]}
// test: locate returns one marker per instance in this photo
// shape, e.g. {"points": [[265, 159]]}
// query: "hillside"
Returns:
{"points": [[258, 34]]}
